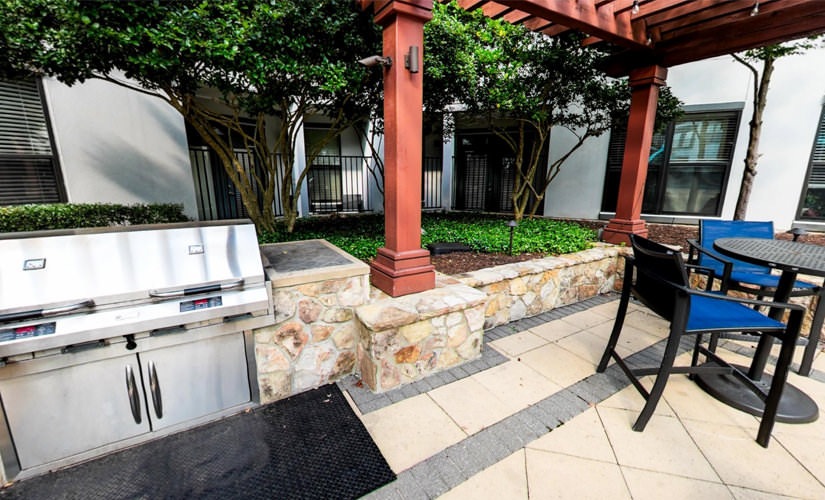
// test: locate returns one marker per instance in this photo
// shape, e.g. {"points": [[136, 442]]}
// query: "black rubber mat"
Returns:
{"points": [[308, 446]]}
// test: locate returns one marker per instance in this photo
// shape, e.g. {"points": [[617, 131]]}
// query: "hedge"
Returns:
{"points": [[17, 218]]}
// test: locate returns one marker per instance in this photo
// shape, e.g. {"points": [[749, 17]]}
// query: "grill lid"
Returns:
{"points": [[57, 272]]}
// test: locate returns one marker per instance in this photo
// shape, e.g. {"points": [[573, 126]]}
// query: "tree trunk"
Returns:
{"points": [[760, 99]]}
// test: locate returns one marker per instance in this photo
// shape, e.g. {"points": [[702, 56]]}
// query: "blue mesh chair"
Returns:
{"points": [[661, 283], [738, 275]]}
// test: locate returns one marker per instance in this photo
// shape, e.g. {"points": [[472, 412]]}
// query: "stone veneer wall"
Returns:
{"points": [[404, 339], [314, 338], [523, 289]]}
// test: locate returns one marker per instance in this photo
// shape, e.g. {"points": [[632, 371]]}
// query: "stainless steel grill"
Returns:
{"points": [[111, 336]]}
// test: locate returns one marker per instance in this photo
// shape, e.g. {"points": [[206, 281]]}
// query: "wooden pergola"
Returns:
{"points": [[645, 37]]}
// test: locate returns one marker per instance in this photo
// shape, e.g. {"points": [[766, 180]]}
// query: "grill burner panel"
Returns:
{"points": [[115, 322]]}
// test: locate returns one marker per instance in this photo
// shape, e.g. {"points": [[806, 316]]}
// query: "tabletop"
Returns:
{"points": [[780, 254]]}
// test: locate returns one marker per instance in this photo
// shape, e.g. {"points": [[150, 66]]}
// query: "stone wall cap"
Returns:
{"points": [[307, 261], [399, 311], [495, 274]]}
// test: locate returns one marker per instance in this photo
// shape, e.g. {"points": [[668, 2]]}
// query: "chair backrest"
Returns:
{"points": [[711, 230], [656, 266]]}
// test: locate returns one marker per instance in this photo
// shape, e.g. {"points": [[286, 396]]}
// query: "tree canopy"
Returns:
{"points": [[284, 59]]}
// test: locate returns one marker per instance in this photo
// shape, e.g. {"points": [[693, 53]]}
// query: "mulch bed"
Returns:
{"points": [[670, 234], [463, 262]]}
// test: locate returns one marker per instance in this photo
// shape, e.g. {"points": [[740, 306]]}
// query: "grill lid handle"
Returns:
{"points": [[198, 289], [40, 313]]}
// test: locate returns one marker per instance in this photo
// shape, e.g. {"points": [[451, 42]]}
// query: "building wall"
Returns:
{"points": [[794, 104], [119, 146], [577, 190]]}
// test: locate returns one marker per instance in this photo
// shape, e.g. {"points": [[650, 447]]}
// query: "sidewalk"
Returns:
{"points": [[532, 419]]}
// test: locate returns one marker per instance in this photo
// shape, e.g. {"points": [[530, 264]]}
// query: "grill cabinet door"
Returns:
{"points": [[55, 412], [195, 379]]}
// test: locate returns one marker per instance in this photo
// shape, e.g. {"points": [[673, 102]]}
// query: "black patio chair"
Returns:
{"points": [[661, 283], [735, 274]]}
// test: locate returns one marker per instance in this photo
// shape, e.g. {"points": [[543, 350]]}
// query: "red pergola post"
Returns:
{"points": [[402, 266], [644, 84]]}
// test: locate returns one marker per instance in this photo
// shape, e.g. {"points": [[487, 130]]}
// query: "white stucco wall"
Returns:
{"points": [[577, 190], [119, 146], [794, 105]]}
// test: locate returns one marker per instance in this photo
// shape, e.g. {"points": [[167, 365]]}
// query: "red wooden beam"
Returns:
{"points": [[401, 266], [644, 83], [583, 15], [780, 24]]}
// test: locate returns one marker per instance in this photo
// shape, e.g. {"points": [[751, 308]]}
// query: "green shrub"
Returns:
{"points": [[17, 218], [362, 235], [490, 234]]}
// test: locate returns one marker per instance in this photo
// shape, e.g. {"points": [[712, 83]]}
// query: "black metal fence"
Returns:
{"points": [[431, 182], [334, 184], [338, 184], [217, 196]]}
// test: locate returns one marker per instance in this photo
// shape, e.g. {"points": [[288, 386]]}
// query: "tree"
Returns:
{"points": [[256, 60], [761, 83], [523, 85]]}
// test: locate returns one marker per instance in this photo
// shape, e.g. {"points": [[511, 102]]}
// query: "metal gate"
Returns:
{"points": [[485, 173]]}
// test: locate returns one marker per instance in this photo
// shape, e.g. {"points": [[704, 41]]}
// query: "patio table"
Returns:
{"points": [[792, 258]]}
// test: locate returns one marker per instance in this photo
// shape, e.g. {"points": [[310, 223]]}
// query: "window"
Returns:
{"points": [[688, 166], [812, 205], [28, 169]]}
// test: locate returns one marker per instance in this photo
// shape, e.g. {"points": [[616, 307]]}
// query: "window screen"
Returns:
{"points": [[28, 172], [813, 199]]}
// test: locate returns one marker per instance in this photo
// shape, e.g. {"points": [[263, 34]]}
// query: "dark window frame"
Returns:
{"points": [[816, 169], [658, 173], [45, 183]]}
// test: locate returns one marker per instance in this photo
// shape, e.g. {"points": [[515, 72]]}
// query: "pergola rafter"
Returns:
{"points": [[664, 32]]}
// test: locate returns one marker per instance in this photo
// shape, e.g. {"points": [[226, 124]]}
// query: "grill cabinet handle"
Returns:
{"points": [[198, 289], [154, 387], [39, 313], [134, 396]]}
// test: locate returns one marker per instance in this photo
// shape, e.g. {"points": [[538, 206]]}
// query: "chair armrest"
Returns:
{"points": [[708, 271], [693, 253], [721, 296], [727, 266]]}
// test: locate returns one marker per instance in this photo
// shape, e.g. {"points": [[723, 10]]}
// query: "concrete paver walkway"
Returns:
{"points": [[532, 419]]}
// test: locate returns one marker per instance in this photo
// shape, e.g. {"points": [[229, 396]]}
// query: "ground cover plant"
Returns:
{"points": [[362, 235]]}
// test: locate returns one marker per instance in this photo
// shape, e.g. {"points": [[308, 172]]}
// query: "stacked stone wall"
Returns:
{"points": [[524, 289], [405, 339], [314, 339]]}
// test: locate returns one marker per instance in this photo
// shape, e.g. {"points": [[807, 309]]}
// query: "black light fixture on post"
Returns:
{"points": [[512, 225], [411, 59]]}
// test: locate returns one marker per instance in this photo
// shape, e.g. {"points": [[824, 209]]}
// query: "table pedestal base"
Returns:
{"points": [[795, 407]]}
